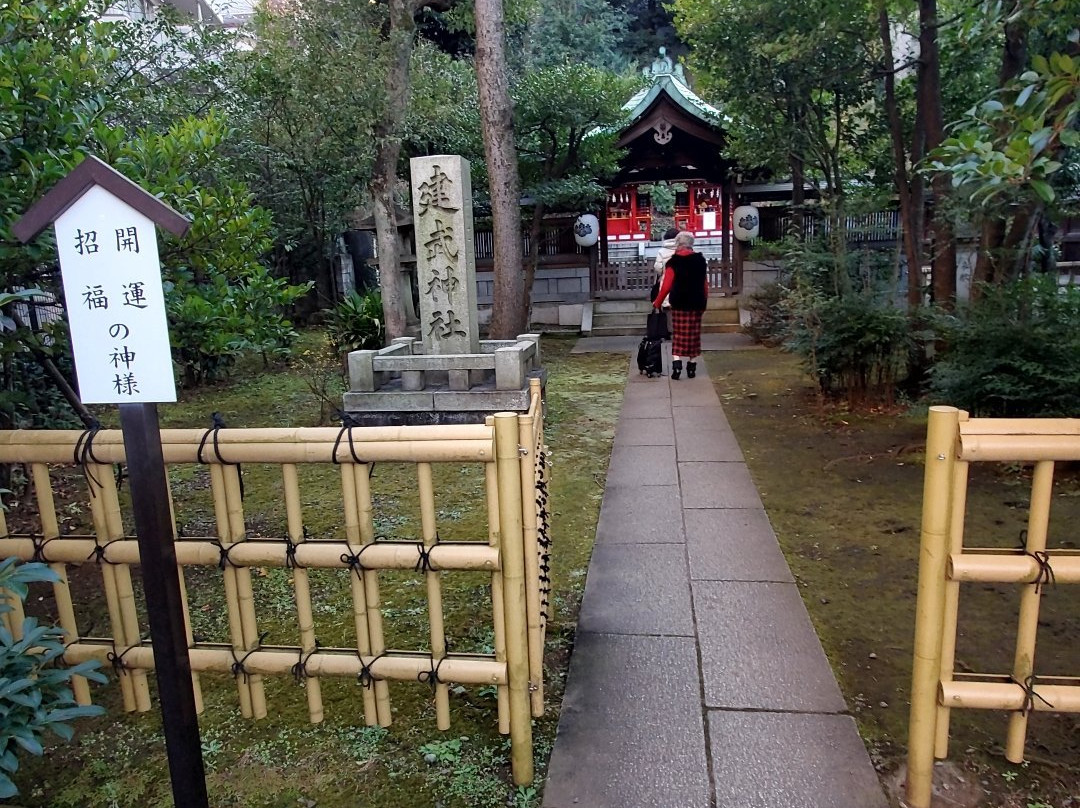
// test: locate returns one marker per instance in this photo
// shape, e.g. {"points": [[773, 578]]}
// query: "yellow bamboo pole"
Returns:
{"points": [[1011, 696], [429, 532], [234, 502], [527, 439], [1042, 490], [65, 609], [366, 513], [941, 438], [1013, 569], [513, 562], [302, 590], [189, 636], [498, 608], [385, 555], [356, 584], [129, 611], [1020, 447], [424, 451], [1021, 426], [13, 619], [232, 600], [108, 576], [952, 600], [111, 438], [332, 662]]}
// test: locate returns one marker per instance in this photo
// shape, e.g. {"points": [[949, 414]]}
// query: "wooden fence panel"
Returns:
{"points": [[514, 552]]}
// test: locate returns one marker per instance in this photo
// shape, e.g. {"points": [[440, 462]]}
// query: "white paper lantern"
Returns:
{"points": [[586, 230], [747, 221]]}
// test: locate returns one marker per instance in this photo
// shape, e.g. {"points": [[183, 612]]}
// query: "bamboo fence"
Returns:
{"points": [[954, 441], [515, 552]]}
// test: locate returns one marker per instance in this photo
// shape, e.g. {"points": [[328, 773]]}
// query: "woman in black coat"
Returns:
{"points": [[686, 285]]}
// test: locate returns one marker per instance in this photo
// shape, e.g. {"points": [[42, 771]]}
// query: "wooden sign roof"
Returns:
{"points": [[83, 177]]}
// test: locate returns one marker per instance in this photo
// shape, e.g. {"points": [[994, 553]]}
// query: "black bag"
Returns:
{"points": [[656, 326], [650, 360]]}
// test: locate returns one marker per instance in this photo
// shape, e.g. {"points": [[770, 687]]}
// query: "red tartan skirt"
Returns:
{"points": [[686, 339]]}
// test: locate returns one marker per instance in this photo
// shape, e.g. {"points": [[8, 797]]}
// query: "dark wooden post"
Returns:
{"points": [[164, 603]]}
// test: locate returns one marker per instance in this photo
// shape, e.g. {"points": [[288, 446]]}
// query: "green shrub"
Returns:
{"points": [[356, 323], [35, 694], [858, 346], [1015, 352], [768, 315]]}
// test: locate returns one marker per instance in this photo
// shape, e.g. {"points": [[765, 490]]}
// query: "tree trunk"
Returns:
{"points": [[943, 269], [989, 263], [399, 45], [909, 221], [536, 229], [509, 311], [384, 176], [798, 196]]}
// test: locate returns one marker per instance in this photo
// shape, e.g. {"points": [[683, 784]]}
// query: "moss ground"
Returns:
{"points": [[283, 760], [844, 493]]}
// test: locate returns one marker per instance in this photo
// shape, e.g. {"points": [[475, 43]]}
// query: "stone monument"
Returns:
{"points": [[450, 375]]}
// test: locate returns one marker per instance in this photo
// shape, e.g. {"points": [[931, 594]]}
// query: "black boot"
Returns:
{"points": [[676, 369], [691, 370]]}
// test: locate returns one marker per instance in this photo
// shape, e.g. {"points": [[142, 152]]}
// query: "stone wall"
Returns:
{"points": [[556, 284]]}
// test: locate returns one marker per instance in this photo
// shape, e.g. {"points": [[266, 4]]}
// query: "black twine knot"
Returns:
{"points": [[367, 677], [237, 668], [1046, 572], [299, 670], [354, 561], [290, 554], [423, 563], [431, 676], [98, 553], [84, 453], [217, 423], [346, 431], [223, 554], [119, 666], [1029, 694], [39, 549]]}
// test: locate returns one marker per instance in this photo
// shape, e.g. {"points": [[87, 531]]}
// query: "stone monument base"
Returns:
{"points": [[395, 386]]}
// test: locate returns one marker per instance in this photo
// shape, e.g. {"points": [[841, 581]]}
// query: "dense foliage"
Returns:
{"points": [[1015, 352], [35, 691], [355, 323]]}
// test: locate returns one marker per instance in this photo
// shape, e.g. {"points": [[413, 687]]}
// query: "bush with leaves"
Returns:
{"points": [[35, 691], [843, 320], [356, 324], [768, 315], [1015, 352]]}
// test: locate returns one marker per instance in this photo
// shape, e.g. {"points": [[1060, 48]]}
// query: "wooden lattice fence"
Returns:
{"points": [[515, 551], [954, 442]]}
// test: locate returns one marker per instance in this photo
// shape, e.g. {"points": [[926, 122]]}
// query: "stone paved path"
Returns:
{"points": [[697, 679]]}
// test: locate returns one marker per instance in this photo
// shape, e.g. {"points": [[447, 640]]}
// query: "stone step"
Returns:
{"points": [[620, 318], [620, 306], [715, 316]]}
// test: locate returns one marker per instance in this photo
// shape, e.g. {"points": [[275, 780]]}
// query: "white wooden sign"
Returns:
{"points": [[115, 302]]}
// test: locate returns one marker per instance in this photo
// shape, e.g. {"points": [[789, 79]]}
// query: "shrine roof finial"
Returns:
{"points": [[664, 65]]}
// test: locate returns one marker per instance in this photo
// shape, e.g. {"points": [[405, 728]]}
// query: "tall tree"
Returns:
{"points": [[567, 118], [795, 80], [400, 34], [509, 315], [943, 259], [309, 117]]}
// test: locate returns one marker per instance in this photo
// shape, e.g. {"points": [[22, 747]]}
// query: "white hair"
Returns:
{"points": [[684, 239]]}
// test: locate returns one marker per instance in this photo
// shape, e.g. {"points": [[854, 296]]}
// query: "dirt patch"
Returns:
{"points": [[843, 491]]}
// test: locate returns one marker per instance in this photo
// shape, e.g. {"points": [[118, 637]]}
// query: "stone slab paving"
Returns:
{"points": [[733, 544], [697, 678], [626, 344]]}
